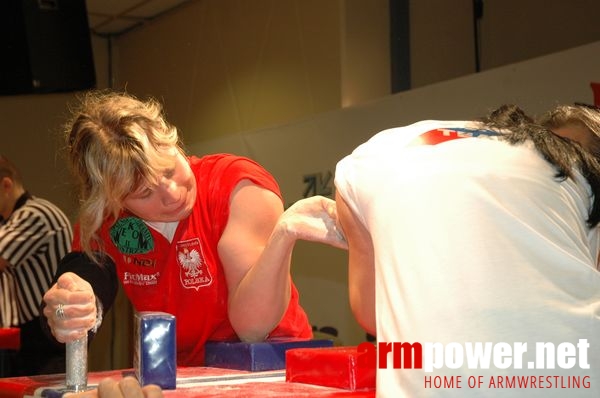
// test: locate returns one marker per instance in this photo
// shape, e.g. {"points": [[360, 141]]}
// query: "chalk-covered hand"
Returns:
{"points": [[70, 308], [128, 387], [314, 219]]}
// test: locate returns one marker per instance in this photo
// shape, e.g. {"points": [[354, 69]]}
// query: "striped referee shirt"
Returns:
{"points": [[33, 240]]}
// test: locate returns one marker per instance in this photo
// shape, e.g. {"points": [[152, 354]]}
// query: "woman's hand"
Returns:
{"points": [[70, 308]]}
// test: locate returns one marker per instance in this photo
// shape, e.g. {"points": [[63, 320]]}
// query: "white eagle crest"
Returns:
{"points": [[190, 261]]}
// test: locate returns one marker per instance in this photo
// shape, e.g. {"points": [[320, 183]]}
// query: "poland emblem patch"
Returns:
{"points": [[193, 271]]}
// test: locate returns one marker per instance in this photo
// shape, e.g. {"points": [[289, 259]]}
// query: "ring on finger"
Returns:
{"points": [[60, 312]]}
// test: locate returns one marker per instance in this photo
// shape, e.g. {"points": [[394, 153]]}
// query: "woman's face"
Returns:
{"points": [[171, 199]]}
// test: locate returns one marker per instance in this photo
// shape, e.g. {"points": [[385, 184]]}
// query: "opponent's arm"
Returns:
{"points": [[361, 266]]}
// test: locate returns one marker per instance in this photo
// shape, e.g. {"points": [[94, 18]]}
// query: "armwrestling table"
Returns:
{"points": [[191, 382]]}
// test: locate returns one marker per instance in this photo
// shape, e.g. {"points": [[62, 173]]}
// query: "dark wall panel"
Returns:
{"points": [[45, 47]]}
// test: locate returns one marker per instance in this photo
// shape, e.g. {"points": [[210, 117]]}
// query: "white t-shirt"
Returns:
{"points": [[476, 241]]}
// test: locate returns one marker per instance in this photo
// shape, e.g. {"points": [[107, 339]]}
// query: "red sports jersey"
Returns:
{"points": [[185, 277]]}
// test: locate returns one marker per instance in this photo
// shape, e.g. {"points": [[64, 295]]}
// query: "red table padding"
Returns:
{"points": [[337, 367], [194, 382], [10, 339]]}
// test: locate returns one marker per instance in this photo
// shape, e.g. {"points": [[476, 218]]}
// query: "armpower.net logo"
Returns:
{"points": [[431, 357]]}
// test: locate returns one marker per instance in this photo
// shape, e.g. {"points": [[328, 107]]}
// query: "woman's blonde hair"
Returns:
{"points": [[115, 144]]}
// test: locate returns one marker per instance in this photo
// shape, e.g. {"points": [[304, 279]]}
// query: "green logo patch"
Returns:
{"points": [[132, 236]]}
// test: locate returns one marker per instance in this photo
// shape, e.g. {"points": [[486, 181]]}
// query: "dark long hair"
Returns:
{"points": [[564, 154]]}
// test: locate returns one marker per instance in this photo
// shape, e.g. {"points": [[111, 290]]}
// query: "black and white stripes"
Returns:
{"points": [[33, 240]]}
